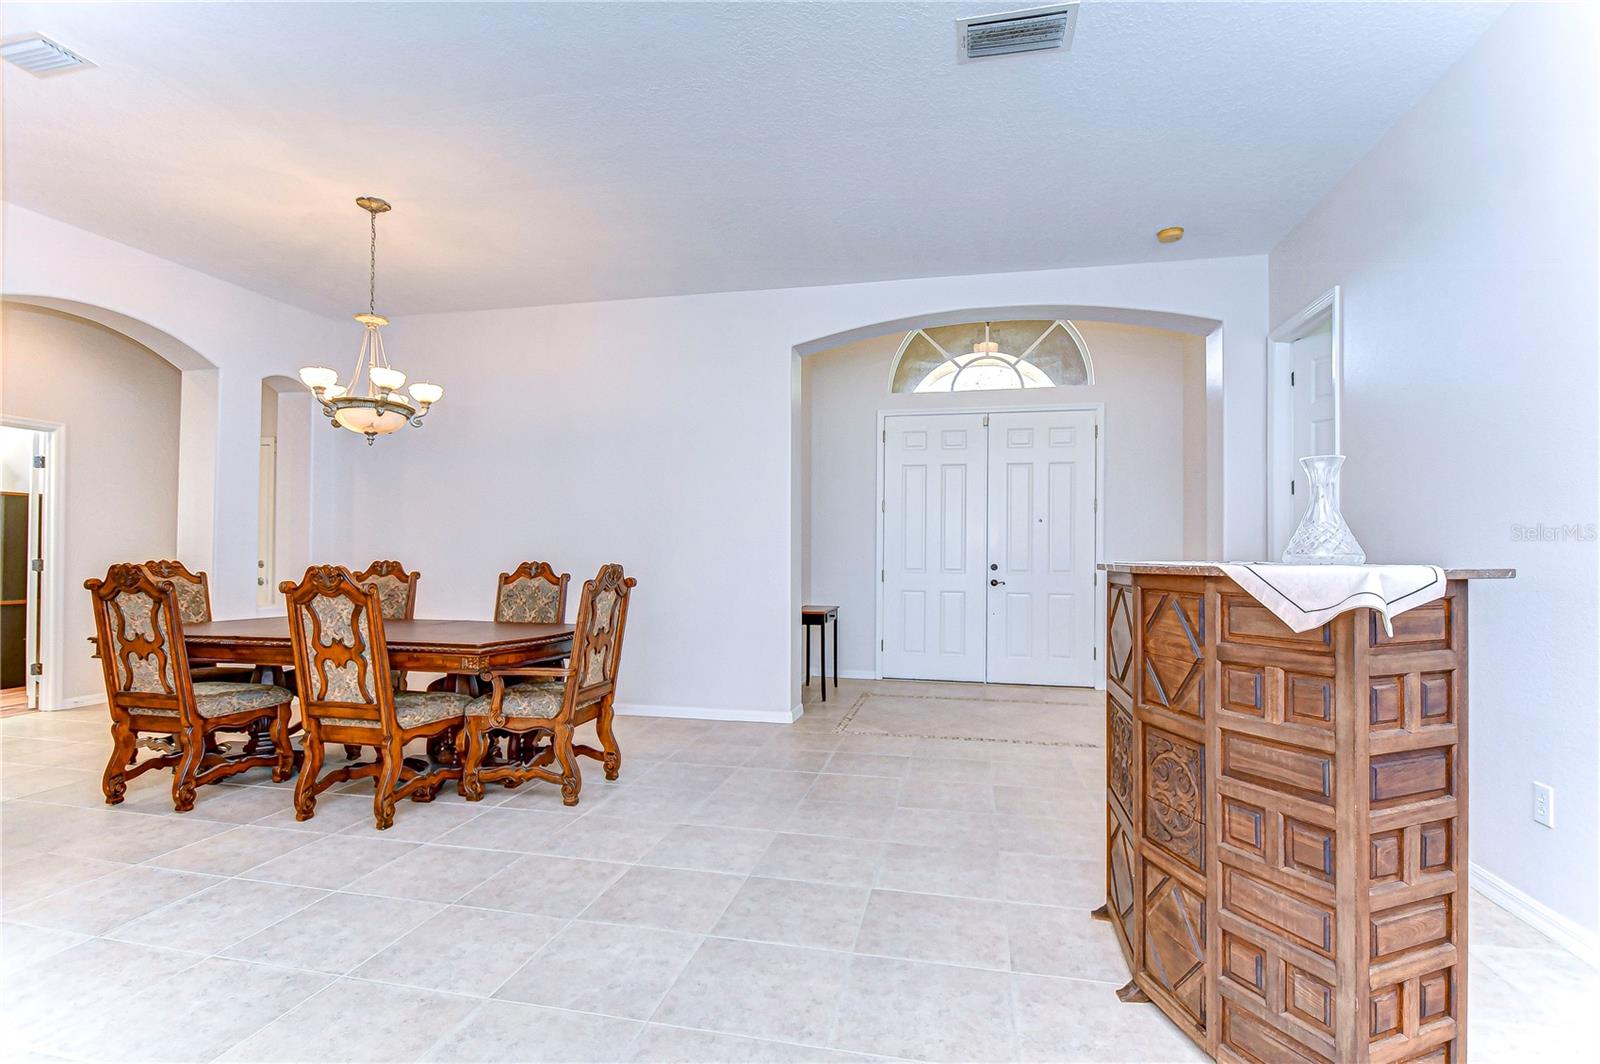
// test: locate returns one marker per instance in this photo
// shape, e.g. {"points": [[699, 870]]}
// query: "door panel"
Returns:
{"points": [[934, 527], [1041, 505], [1312, 392]]}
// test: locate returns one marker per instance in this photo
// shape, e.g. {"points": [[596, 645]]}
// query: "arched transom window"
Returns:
{"points": [[978, 356]]}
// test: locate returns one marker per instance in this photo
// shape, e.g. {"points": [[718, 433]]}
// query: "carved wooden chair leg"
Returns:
{"points": [[124, 751], [193, 742], [280, 738], [608, 739], [571, 782], [474, 733], [391, 758], [305, 788]]}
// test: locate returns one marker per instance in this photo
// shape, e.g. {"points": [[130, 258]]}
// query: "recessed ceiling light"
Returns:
{"points": [[1170, 235], [41, 57]]}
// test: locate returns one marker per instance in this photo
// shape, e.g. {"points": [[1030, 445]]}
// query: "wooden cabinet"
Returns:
{"points": [[1286, 820]]}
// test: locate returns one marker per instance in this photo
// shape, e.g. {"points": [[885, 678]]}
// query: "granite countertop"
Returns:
{"points": [[1212, 569]]}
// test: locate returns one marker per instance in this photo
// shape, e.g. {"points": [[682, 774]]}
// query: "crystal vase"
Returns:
{"points": [[1323, 538]]}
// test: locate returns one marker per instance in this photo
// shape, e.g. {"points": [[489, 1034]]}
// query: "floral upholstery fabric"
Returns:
{"points": [[530, 600], [332, 620], [601, 639], [215, 699], [192, 606], [535, 698], [394, 596], [412, 709], [142, 647]]}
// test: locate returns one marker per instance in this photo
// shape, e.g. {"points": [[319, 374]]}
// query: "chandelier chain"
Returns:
{"points": [[372, 266]]}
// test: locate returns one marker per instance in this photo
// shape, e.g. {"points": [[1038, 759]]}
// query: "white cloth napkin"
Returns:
{"points": [[1308, 596]]}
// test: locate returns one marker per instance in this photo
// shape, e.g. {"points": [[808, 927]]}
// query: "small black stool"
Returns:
{"points": [[818, 617]]}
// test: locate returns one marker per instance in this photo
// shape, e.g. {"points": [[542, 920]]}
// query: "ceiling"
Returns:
{"points": [[553, 153]]}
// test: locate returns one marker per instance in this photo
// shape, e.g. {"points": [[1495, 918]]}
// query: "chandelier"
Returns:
{"points": [[380, 407]]}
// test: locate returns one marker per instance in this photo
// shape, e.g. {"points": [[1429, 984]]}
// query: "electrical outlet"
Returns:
{"points": [[1544, 804]]}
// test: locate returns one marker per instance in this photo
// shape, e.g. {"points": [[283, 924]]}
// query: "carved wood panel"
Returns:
{"points": [[1174, 795], [1173, 651], [1175, 940], [1120, 765]]}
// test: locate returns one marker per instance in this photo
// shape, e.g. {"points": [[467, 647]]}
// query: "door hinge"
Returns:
{"points": [[885, 435], [883, 506], [1291, 378], [880, 576], [36, 669], [1097, 432], [880, 644], [986, 421], [1291, 487], [1097, 504], [38, 461], [36, 564], [1096, 656]]}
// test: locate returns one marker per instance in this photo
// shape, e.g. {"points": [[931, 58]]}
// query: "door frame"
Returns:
{"points": [[52, 599], [1099, 411], [1328, 308]]}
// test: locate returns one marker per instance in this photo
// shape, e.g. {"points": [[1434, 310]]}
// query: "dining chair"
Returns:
{"points": [[397, 589], [150, 688], [194, 607], [556, 701], [348, 696], [531, 593]]}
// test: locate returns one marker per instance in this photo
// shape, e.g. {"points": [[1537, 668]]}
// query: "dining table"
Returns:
{"points": [[465, 651]]}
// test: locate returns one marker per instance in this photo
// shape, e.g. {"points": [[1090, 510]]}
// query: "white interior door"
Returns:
{"points": [[1041, 547], [267, 523], [1314, 415], [933, 547]]}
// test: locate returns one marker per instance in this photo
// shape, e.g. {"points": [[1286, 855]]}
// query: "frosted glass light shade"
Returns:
{"points": [[334, 391], [317, 377], [426, 393], [386, 378], [366, 420]]}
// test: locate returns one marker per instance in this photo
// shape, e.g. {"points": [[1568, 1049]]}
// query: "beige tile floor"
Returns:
{"points": [[745, 893]]}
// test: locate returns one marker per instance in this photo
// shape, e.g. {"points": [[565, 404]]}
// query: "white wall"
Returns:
{"points": [[1465, 244], [664, 434], [224, 338], [119, 403], [1152, 382]]}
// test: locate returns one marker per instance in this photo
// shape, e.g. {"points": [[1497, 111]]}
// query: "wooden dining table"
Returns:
{"points": [[462, 649], [466, 651]]}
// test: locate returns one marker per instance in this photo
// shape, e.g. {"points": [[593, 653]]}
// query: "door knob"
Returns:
{"points": [[994, 566], [996, 583]]}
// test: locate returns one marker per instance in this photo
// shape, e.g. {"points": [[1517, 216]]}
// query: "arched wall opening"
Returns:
{"points": [[1162, 490], [131, 415]]}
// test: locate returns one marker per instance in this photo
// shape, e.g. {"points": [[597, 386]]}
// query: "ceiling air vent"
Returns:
{"points": [[1018, 31], [41, 57]]}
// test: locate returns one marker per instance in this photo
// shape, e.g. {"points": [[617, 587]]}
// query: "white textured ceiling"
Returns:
{"points": [[550, 153]]}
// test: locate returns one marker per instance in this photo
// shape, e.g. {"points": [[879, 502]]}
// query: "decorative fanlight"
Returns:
{"points": [[380, 407]]}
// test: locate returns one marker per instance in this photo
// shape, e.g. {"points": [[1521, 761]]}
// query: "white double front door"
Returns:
{"points": [[989, 547]]}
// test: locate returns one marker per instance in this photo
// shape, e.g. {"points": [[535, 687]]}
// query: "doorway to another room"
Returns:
{"points": [[24, 454]]}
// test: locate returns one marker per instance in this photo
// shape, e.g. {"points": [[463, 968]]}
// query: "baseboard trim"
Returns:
{"points": [[852, 674], [756, 716], [1570, 936], [78, 702]]}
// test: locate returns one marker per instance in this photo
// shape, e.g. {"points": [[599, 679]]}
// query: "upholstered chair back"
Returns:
{"points": [[194, 590], [531, 593], [336, 627], [397, 589], [597, 633], [141, 641]]}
